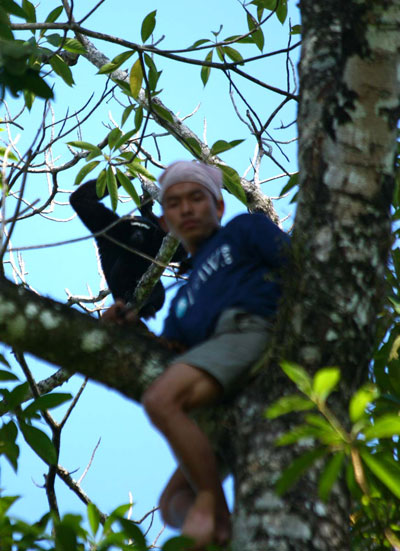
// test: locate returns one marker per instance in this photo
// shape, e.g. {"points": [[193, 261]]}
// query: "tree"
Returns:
{"points": [[333, 307]]}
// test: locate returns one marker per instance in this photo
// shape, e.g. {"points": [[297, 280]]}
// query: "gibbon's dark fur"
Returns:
{"points": [[122, 268]]}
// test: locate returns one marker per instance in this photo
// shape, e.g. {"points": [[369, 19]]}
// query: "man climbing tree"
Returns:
{"points": [[223, 314]]}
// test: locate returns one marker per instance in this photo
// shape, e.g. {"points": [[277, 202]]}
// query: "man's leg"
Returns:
{"points": [[168, 400]]}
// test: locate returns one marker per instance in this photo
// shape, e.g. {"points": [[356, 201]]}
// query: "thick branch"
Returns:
{"points": [[126, 359]]}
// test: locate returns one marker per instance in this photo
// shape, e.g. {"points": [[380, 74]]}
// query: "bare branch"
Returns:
{"points": [[90, 460]]}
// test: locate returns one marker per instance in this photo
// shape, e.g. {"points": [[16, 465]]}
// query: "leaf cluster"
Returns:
{"points": [[22, 61], [363, 455]]}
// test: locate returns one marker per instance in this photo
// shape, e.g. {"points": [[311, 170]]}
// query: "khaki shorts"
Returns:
{"points": [[237, 343]]}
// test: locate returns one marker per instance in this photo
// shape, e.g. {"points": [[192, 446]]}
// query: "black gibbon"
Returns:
{"points": [[123, 268]]}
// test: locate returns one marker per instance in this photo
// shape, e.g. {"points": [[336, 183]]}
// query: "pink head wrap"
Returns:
{"points": [[192, 171]]}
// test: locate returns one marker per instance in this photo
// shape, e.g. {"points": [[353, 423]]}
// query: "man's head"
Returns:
{"points": [[192, 201]]}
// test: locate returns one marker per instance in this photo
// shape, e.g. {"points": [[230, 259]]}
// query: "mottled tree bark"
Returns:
{"points": [[348, 113], [347, 126]]}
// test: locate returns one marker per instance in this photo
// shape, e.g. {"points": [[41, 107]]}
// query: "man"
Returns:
{"points": [[222, 315]]}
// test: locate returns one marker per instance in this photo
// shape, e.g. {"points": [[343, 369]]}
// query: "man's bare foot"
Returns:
{"points": [[200, 522]]}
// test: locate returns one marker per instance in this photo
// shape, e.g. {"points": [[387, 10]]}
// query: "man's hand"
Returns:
{"points": [[175, 346], [121, 314]]}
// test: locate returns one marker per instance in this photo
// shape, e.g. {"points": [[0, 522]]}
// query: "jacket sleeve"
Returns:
{"points": [[267, 240]]}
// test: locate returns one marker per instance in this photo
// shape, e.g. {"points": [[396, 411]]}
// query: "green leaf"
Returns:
{"points": [[65, 537], [74, 46], [30, 11], [148, 24], [396, 305], [271, 5], [319, 422], [5, 504], [136, 78], [4, 361], [106, 69], [293, 181], [205, 71], [138, 117], [62, 69], [54, 39], [127, 111], [384, 468], [360, 400], [16, 396], [292, 473], [5, 29], [133, 532], [233, 54], [193, 146], [199, 43], [12, 8], [178, 543], [10, 154], [221, 145], [93, 154], [124, 86], [325, 381], [54, 14], [267, 4], [136, 168], [101, 183], [93, 517], [153, 75], [282, 11], [128, 186], [112, 187], [299, 376], [118, 513], [386, 426], [7, 376], [162, 112], [257, 35], [84, 171], [301, 432], [330, 475], [29, 98], [113, 137], [8, 446], [47, 401], [33, 82], [83, 145], [232, 183], [220, 53], [121, 58], [124, 138], [39, 442], [296, 29], [287, 404]]}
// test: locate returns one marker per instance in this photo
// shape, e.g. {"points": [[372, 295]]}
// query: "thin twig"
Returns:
{"points": [[90, 462]]}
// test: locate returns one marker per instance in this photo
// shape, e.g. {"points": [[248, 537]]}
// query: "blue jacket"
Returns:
{"points": [[238, 266]]}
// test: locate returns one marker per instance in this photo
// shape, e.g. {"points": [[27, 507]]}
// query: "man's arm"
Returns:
{"points": [[271, 243]]}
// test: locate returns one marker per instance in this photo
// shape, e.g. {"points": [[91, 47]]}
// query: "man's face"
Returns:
{"points": [[191, 213]]}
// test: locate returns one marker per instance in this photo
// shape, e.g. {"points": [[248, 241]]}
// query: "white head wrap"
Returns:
{"points": [[192, 171]]}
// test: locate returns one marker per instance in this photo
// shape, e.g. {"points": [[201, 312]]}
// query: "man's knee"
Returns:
{"points": [[159, 404]]}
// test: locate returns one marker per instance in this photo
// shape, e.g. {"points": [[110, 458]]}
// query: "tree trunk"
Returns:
{"points": [[348, 114]]}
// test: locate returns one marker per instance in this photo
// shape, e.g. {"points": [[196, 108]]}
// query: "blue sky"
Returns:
{"points": [[131, 456]]}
